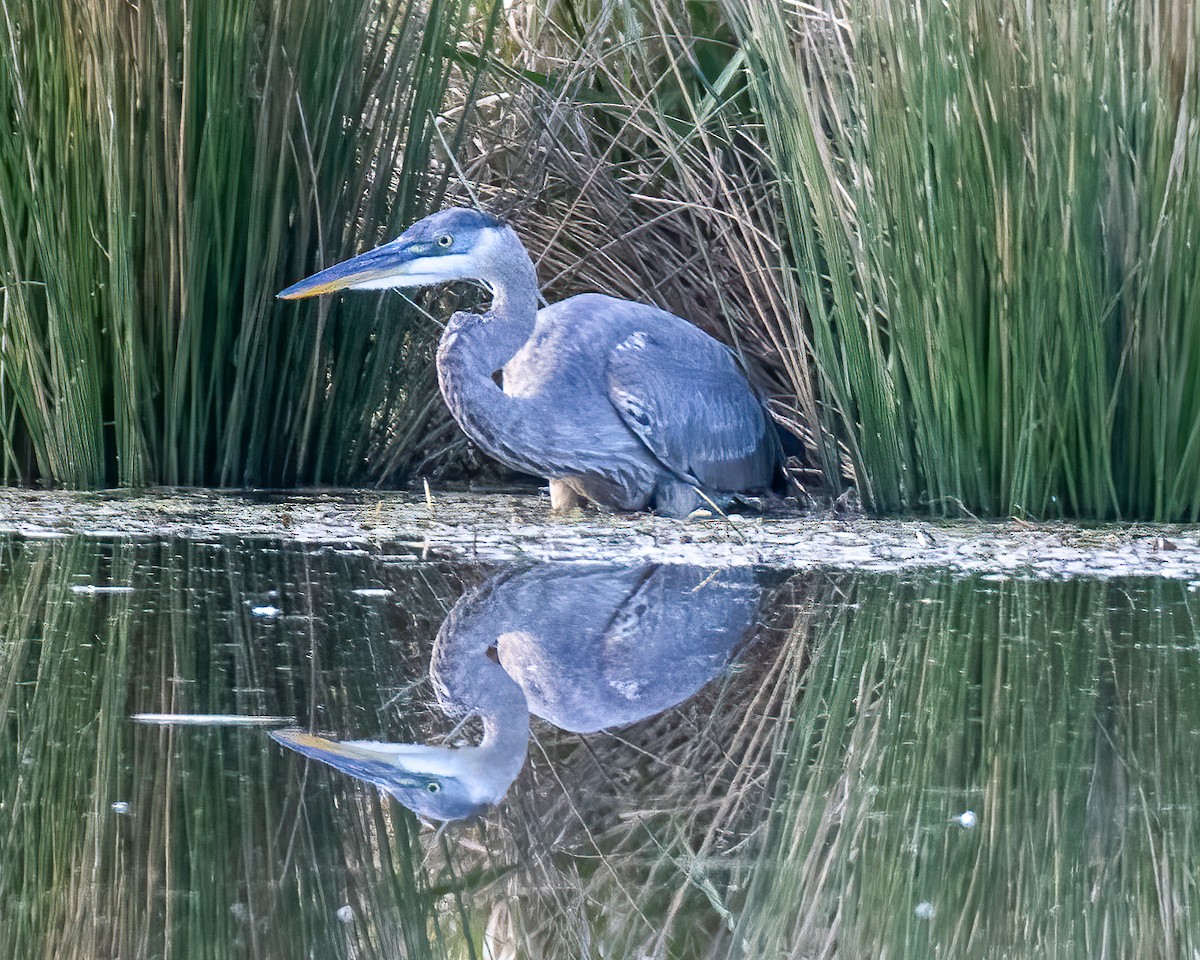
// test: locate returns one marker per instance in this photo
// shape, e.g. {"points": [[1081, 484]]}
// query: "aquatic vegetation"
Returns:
{"points": [[990, 212], [953, 243], [166, 168]]}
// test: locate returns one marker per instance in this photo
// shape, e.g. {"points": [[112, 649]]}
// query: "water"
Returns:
{"points": [[811, 799]]}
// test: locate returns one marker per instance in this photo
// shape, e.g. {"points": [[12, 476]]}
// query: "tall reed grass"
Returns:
{"points": [[646, 180], [953, 242], [168, 167], [990, 210]]}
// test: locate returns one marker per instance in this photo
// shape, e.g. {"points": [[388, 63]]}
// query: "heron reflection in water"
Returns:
{"points": [[615, 402], [587, 647]]}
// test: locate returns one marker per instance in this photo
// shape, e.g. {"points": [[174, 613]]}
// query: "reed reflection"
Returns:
{"points": [[586, 647]]}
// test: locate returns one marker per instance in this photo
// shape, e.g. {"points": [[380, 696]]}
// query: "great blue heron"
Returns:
{"points": [[615, 402], [585, 646]]}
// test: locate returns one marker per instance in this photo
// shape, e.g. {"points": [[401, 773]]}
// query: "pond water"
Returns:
{"points": [[685, 761]]}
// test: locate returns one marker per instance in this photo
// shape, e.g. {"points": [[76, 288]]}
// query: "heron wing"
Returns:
{"points": [[685, 399], [674, 629]]}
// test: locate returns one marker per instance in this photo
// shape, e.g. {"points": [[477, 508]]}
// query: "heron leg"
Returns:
{"points": [[564, 498]]}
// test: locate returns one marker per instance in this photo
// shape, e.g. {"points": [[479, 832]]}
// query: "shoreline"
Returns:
{"points": [[491, 527]]}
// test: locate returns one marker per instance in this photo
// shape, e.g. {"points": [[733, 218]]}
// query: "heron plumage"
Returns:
{"points": [[625, 404]]}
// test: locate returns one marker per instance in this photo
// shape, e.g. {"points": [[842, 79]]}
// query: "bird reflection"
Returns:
{"points": [[585, 646]]}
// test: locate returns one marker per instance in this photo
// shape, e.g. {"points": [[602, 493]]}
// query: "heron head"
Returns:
{"points": [[439, 783], [453, 244]]}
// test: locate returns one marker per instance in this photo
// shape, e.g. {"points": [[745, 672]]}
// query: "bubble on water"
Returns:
{"points": [[120, 807], [345, 913], [966, 819], [924, 910], [266, 611]]}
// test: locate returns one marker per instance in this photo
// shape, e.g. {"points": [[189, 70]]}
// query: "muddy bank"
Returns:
{"points": [[512, 526]]}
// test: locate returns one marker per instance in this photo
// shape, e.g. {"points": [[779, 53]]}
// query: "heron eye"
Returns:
{"points": [[445, 240], [434, 787]]}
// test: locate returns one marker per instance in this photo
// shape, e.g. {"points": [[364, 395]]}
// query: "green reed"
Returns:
{"points": [[170, 167], [989, 210], [648, 181]]}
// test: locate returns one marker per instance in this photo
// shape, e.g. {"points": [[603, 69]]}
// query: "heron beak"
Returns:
{"points": [[390, 265], [349, 757], [386, 764]]}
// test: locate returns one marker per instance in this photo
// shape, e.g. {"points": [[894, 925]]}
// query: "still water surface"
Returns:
{"points": [[608, 761]]}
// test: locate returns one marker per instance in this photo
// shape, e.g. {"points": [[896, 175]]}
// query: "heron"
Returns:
{"points": [[585, 646], [614, 402]]}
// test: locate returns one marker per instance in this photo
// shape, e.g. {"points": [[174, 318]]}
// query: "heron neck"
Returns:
{"points": [[512, 279], [469, 681], [473, 348]]}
